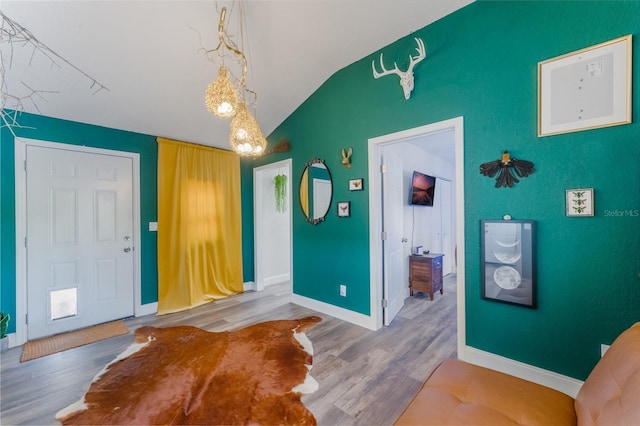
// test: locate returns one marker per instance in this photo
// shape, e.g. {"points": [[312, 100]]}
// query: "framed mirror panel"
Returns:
{"points": [[316, 191]]}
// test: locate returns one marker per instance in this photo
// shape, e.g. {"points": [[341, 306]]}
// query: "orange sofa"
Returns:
{"points": [[459, 393]]}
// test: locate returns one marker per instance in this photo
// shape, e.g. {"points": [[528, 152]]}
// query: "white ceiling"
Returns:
{"points": [[148, 55]]}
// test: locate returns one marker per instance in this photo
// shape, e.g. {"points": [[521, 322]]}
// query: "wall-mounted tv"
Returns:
{"points": [[422, 189]]}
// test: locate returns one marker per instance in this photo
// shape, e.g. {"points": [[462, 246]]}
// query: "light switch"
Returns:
{"points": [[153, 226]]}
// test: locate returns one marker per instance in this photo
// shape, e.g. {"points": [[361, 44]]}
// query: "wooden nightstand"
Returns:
{"points": [[425, 273]]}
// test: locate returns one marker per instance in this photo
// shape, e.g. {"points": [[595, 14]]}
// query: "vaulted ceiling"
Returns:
{"points": [[141, 65]]}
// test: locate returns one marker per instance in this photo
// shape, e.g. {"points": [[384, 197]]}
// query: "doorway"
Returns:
{"points": [[273, 225], [77, 237], [378, 145]]}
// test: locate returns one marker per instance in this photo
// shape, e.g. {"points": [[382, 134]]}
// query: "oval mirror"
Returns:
{"points": [[316, 190]]}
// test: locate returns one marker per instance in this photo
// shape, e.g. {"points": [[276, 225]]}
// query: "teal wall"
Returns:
{"points": [[73, 133], [482, 64]]}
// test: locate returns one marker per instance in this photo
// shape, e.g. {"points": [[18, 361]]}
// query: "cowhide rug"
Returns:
{"points": [[185, 375]]}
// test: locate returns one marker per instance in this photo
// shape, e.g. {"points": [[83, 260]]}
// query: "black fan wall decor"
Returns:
{"points": [[505, 168]]}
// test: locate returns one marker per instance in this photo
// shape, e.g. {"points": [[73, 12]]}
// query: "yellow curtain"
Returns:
{"points": [[199, 225]]}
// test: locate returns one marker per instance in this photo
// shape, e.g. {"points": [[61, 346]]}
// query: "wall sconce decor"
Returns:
{"points": [[406, 77], [227, 101], [346, 157], [580, 202], [505, 168]]}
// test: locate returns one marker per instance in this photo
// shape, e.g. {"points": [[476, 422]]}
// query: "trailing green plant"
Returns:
{"points": [[4, 324], [281, 193]]}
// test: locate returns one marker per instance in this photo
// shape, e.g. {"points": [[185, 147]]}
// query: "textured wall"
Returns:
{"points": [[482, 64]]}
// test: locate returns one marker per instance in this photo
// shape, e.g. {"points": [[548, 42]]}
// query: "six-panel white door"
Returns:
{"points": [[394, 286], [79, 239]]}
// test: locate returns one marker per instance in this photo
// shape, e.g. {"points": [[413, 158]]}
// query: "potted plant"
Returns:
{"points": [[4, 324]]}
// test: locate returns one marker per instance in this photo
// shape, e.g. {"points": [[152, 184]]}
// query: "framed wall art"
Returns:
{"points": [[580, 202], [356, 184], [585, 89], [508, 262], [344, 209]]}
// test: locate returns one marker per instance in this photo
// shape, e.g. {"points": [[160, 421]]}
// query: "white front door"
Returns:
{"points": [[394, 286], [79, 215]]}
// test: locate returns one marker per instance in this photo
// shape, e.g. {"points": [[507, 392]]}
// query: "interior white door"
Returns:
{"points": [[79, 239], [441, 225], [394, 287], [446, 214]]}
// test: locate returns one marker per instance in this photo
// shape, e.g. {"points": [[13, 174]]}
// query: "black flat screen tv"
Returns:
{"points": [[422, 189]]}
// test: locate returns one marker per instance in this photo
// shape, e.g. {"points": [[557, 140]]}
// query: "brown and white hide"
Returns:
{"points": [[184, 375]]}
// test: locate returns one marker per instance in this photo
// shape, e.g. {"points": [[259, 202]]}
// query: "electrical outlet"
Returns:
{"points": [[603, 349], [343, 290]]}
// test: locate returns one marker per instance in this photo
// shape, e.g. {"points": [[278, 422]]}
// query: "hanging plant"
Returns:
{"points": [[281, 193]]}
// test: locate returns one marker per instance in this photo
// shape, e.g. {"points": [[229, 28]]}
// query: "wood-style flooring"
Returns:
{"points": [[366, 377]]}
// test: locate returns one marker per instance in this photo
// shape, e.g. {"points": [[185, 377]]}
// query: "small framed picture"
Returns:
{"points": [[356, 184], [344, 209], [580, 202]]}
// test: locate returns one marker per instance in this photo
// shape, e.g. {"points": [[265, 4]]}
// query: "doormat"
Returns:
{"points": [[61, 342]]}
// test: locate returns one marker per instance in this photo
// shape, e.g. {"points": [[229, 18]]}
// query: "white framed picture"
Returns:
{"points": [[585, 89], [580, 202], [356, 184], [344, 208]]}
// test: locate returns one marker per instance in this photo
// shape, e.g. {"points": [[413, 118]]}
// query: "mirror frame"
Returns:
{"points": [[308, 164]]}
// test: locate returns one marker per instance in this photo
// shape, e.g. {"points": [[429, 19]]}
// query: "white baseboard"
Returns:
{"points": [[13, 341], [146, 309], [249, 286], [564, 384], [335, 311], [277, 279]]}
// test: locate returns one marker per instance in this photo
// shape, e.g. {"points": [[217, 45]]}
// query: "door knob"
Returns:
{"points": [[127, 249]]}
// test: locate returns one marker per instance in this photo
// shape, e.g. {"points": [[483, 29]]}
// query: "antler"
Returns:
{"points": [[385, 71], [406, 77], [422, 53]]}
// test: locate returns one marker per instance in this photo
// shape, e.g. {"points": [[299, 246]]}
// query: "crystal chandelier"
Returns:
{"points": [[226, 101]]}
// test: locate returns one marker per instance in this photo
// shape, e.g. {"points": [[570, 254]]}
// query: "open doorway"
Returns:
{"points": [[273, 225], [418, 138]]}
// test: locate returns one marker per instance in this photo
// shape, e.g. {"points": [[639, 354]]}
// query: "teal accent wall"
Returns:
{"points": [[246, 195], [55, 130], [482, 64]]}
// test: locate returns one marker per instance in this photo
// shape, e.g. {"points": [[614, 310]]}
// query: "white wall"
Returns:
{"points": [[419, 220], [275, 242]]}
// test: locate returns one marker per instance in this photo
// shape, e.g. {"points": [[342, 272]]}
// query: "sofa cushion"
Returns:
{"points": [[464, 394], [611, 393]]}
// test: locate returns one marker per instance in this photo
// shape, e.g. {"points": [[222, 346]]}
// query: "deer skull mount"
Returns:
{"points": [[406, 77]]}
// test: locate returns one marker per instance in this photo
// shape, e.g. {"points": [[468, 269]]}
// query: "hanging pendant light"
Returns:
{"points": [[245, 136], [221, 97]]}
